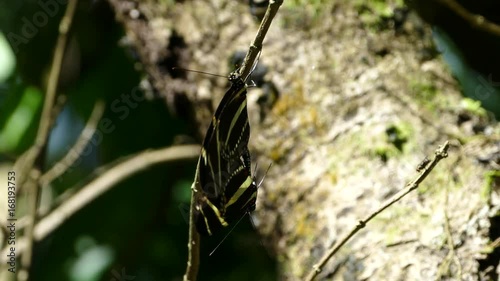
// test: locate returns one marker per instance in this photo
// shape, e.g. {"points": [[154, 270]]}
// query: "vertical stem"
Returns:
{"points": [[30, 166], [193, 262]]}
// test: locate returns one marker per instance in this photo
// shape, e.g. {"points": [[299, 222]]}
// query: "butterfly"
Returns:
{"points": [[225, 189]]}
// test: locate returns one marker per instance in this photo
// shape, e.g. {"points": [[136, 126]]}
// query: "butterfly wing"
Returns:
{"points": [[226, 136], [224, 164]]}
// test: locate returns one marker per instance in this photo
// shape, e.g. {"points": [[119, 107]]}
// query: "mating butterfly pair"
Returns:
{"points": [[225, 189]]}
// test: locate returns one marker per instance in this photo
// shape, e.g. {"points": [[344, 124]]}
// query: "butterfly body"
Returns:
{"points": [[225, 189]]}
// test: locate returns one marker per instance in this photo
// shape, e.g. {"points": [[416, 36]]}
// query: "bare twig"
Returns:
{"points": [[34, 156], [256, 45], [65, 163], [246, 68], [86, 135], [107, 180], [441, 152], [103, 183], [475, 20], [194, 239]]}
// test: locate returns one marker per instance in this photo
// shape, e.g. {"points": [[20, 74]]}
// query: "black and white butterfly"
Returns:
{"points": [[225, 188]]}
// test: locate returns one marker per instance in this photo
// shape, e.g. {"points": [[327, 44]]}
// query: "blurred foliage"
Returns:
{"points": [[304, 14], [373, 13], [475, 85], [471, 52], [7, 58]]}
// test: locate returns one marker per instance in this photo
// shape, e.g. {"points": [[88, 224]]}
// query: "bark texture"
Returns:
{"points": [[362, 101]]}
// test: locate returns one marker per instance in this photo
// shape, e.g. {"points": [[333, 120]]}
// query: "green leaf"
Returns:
{"points": [[19, 121], [7, 58]]}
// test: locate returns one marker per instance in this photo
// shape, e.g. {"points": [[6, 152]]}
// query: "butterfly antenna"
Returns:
{"points": [[220, 243], [254, 227], [262, 180], [254, 66], [255, 168], [260, 238], [252, 85], [197, 71]]}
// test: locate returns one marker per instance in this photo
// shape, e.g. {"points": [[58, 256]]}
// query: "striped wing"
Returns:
{"points": [[226, 139], [224, 165]]}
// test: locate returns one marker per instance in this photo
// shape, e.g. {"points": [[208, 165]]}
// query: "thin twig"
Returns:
{"points": [[256, 45], [110, 178], [103, 183], [250, 58], [66, 161], [34, 156], [441, 152], [475, 20], [193, 262], [25, 163], [85, 136]]}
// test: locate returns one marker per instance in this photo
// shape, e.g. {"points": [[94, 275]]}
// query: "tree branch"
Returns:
{"points": [[256, 46], [86, 135], [193, 262], [476, 20], [441, 152], [29, 165], [103, 183]]}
